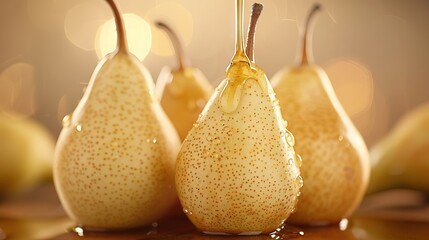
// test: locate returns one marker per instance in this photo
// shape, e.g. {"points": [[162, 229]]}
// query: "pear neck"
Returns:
{"points": [[183, 62], [306, 56], [120, 29]]}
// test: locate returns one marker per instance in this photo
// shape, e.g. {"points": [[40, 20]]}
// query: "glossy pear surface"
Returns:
{"points": [[26, 153], [184, 93], [115, 157], [236, 172], [335, 165], [401, 159]]}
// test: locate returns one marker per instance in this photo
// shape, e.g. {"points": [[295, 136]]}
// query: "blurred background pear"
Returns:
{"points": [[184, 90], [401, 159], [26, 153], [335, 160]]}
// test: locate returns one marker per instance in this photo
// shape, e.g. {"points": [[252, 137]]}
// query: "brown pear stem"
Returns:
{"points": [[177, 45], [120, 29], [256, 12], [307, 53]]}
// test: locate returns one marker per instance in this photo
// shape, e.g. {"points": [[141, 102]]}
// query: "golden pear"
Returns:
{"points": [[26, 153], [401, 159], [335, 165], [115, 156], [184, 91], [237, 172]]}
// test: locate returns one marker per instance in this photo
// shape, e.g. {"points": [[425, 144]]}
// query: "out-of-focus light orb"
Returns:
{"points": [[139, 36], [178, 18], [17, 89], [81, 24], [353, 84]]}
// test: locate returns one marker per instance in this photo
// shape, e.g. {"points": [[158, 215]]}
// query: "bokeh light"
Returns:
{"points": [[178, 18], [353, 84], [139, 36], [81, 24], [17, 89]]}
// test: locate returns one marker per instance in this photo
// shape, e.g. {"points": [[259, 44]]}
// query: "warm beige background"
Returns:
{"points": [[376, 52]]}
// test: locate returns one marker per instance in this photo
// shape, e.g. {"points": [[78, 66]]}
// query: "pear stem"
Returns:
{"points": [[120, 29], [177, 45], [307, 53], [256, 12]]}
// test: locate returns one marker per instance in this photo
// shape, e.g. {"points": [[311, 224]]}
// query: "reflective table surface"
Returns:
{"points": [[396, 214]]}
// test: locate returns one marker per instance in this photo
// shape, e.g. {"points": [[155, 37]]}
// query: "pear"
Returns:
{"points": [[26, 153], [335, 164], [237, 171], [115, 156], [401, 159], [184, 90]]}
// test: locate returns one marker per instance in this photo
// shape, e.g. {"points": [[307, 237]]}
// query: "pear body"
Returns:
{"points": [[115, 156], [335, 159], [26, 154], [236, 172], [401, 159], [184, 93]]}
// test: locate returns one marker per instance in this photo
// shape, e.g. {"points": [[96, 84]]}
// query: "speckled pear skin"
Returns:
{"points": [[184, 96], [115, 156], [236, 173], [335, 165]]}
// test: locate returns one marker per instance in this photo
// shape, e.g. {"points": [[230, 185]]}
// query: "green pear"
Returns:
{"points": [[237, 172], [115, 156], [335, 164], [26, 153], [184, 91], [401, 159]]}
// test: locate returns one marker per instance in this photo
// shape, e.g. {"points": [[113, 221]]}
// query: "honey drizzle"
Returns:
{"points": [[240, 69]]}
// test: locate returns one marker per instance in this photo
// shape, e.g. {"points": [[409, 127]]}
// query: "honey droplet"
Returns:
{"points": [[79, 127], [215, 155], [343, 224], [200, 116], [298, 160], [205, 154], [79, 231], [151, 140], [216, 140], [67, 121], [187, 211], [290, 139], [299, 181], [227, 130]]}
